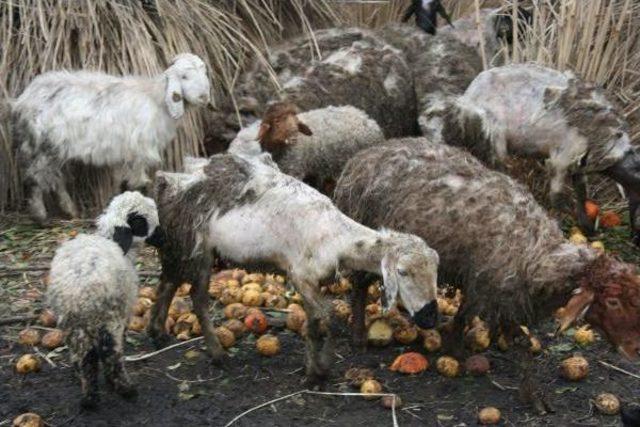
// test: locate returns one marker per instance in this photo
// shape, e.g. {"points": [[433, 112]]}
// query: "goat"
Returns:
{"points": [[93, 287], [247, 211], [494, 240], [318, 157], [101, 120], [533, 111]]}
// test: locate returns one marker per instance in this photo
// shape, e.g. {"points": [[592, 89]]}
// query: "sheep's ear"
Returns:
{"points": [[390, 279], [304, 129], [264, 130], [575, 308], [123, 236], [173, 96], [553, 93], [138, 224]]}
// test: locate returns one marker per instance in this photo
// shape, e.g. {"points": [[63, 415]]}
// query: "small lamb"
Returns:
{"points": [[93, 287], [124, 122]]}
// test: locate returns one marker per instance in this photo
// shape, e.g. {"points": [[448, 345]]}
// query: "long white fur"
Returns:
{"points": [[104, 120]]}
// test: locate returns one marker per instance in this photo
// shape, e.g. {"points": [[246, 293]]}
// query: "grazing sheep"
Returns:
{"points": [[494, 241], [532, 111], [315, 158], [356, 68], [93, 286], [100, 120], [426, 12], [246, 211]]}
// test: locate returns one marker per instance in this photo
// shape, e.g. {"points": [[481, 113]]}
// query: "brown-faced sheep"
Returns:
{"points": [[494, 240], [532, 111]]}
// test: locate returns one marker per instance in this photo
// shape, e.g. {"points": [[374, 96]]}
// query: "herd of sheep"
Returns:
{"points": [[348, 186]]}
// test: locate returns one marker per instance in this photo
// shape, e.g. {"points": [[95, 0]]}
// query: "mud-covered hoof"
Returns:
{"points": [[90, 402], [160, 340], [315, 382], [218, 358]]}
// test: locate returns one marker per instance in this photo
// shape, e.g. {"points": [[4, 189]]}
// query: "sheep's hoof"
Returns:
{"points": [[160, 340], [90, 402], [218, 357], [315, 381]]}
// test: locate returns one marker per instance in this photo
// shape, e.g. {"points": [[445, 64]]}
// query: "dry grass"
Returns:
{"points": [[138, 37]]}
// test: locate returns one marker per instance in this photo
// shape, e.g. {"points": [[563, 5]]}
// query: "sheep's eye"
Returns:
{"points": [[613, 303], [402, 272]]}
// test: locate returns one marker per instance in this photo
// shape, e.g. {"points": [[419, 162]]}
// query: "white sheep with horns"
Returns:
{"points": [[123, 122], [93, 287]]}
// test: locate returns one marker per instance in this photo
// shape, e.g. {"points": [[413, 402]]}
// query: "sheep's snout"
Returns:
{"points": [[427, 316], [157, 238]]}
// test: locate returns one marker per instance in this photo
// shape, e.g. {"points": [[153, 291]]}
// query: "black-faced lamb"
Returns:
{"points": [[426, 12], [93, 287], [124, 122], [494, 240], [246, 211], [532, 111], [312, 146]]}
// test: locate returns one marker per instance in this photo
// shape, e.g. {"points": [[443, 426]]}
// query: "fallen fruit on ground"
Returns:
{"points": [[27, 363], [256, 322], [592, 209], [410, 363], [574, 368], [356, 376], [598, 245], [52, 339], [28, 419], [268, 345], [406, 335], [607, 404], [235, 310], [578, 238], [477, 365], [252, 298], [584, 336], [226, 337], [448, 366], [610, 219], [29, 337], [148, 292], [47, 319], [478, 338], [489, 415], [342, 309], [432, 340], [380, 333], [371, 387], [137, 324], [236, 326], [183, 290], [178, 307], [388, 401], [142, 306], [295, 319]]}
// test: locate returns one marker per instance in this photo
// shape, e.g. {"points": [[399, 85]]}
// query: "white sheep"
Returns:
{"points": [[93, 287], [124, 122], [335, 135], [247, 212]]}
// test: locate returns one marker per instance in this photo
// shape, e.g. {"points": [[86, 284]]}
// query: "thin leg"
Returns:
{"points": [[580, 188], [87, 370], [319, 346], [200, 298], [530, 390], [110, 350], [159, 311], [358, 303], [67, 204], [37, 209], [634, 205]]}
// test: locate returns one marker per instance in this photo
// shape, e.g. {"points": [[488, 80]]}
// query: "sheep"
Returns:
{"points": [[494, 240], [124, 122], [93, 287], [312, 146], [426, 12], [356, 67], [533, 111], [247, 211]]}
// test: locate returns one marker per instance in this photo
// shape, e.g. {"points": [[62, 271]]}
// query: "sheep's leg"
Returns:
{"points": [[580, 187], [453, 337], [67, 204], [87, 369], [36, 204], [111, 347], [530, 390], [319, 343], [166, 290], [200, 298], [556, 186], [358, 303]]}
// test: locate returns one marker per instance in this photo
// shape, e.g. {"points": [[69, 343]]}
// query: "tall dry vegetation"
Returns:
{"points": [[137, 37]]}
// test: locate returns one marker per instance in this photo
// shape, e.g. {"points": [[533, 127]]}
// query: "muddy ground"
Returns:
{"points": [[181, 387]]}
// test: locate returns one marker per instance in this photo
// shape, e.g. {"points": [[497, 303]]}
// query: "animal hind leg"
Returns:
{"points": [[67, 204], [166, 290], [580, 187], [110, 349], [87, 369], [37, 208], [360, 280], [200, 298]]}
